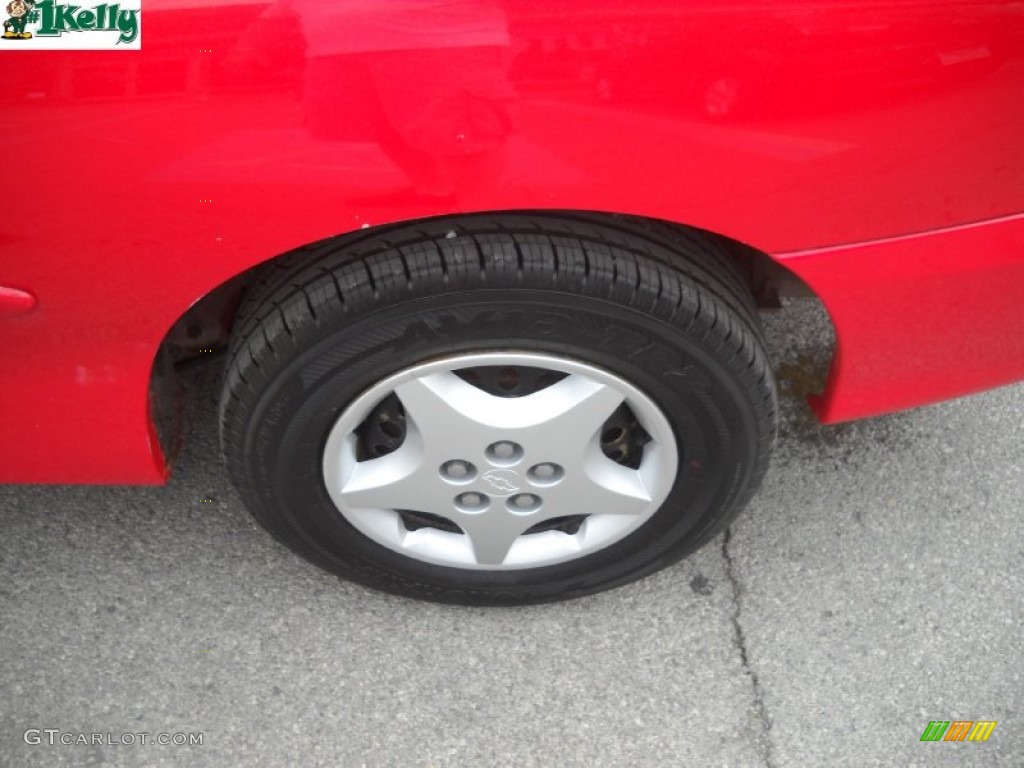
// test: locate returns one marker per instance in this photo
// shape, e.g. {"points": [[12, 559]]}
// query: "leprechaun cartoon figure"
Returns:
{"points": [[15, 25]]}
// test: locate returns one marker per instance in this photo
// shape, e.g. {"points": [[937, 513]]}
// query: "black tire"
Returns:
{"points": [[663, 309]]}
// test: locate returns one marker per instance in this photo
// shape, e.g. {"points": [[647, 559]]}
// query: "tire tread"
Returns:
{"points": [[681, 277]]}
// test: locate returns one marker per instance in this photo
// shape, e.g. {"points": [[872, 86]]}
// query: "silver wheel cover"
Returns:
{"points": [[497, 466]]}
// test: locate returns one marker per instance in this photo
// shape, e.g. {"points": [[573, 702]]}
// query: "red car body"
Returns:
{"points": [[873, 149]]}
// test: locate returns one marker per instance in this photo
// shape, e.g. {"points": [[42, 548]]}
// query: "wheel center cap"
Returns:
{"points": [[501, 482]]}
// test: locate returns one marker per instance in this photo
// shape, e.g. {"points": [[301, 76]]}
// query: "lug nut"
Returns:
{"points": [[504, 453], [524, 503], [472, 502], [547, 473], [458, 471]]}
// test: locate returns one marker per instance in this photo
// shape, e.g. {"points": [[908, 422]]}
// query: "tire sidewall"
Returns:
{"points": [[708, 401]]}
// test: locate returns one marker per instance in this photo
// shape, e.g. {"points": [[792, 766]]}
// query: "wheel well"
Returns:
{"points": [[205, 327]]}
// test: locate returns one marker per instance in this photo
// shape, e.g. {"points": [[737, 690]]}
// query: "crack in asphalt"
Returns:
{"points": [[740, 641]]}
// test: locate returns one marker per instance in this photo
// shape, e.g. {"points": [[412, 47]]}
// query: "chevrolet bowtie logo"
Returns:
{"points": [[501, 480]]}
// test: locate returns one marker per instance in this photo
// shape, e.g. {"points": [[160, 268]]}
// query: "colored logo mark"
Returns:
{"points": [[958, 730], [51, 25]]}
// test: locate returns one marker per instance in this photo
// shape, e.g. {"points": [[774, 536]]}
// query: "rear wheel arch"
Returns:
{"points": [[207, 325]]}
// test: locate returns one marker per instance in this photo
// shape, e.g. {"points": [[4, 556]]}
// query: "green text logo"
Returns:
{"points": [[53, 25]]}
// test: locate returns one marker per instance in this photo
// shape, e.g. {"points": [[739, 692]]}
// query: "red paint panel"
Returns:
{"points": [[921, 319], [140, 180]]}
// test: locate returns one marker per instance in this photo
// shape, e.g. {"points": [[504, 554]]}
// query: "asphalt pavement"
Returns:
{"points": [[873, 585]]}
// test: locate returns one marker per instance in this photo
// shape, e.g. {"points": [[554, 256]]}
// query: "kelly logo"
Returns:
{"points": [[53, 25], [958, 730]]}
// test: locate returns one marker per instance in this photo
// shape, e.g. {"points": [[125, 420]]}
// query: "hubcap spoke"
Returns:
{"points": [[390, 482], [442, 404], [574, 408], [602, 487], [493, 534]]}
